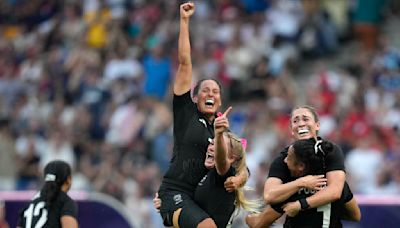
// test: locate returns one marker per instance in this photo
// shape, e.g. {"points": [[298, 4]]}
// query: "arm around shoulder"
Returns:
{"points": [[264, 219], [332, 192], [275, 191]]}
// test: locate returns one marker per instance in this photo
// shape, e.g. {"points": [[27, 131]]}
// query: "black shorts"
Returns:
{"points": [[191, 214]]}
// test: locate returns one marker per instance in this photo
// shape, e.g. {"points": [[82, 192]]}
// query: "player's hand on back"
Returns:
{"points": [[232, 183], [313, 182]]}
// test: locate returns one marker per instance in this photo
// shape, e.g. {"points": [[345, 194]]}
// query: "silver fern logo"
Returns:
{"points": [[178, 198], [202, 180], [203, 122]]}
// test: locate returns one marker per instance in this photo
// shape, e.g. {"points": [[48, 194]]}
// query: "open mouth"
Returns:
{"points": [[303, 131], [209, 103], [209, 155]]}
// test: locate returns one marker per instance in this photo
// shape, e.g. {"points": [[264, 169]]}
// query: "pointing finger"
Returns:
{"points": [[227, 111]]}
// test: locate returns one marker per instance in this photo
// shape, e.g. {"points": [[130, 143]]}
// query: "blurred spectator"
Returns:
{"points": [[122, 66], [72, 27], [7, 155], [126, 122], [158, 132], [364, 177], [89, 81], [157, 73], [284, 18], [57, 147], [367, 16], [29, 147], [238, 60], [253, 6], [108, 179], [98, 22], [388, 181], [339, 13]]}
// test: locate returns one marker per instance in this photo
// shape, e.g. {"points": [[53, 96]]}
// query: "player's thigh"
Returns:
{"points": [[191, 214]]}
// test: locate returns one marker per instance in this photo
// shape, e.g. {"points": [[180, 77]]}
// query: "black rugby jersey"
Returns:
{"points": [[192, 134], [326, 216], [212, 197], [39, 214], [279, 169], [334, 161]]}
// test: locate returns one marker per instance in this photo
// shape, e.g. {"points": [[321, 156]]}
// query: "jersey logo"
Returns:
{"points": [[178, 198], [203, 122], [202, 180]]}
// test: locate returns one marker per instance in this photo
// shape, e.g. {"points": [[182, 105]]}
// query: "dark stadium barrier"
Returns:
{"points": [[95, 209], [377, 211], [102, 211]]}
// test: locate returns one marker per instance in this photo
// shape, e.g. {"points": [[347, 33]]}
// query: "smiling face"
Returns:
{"points": [[208, 97], [296, 168], [234, 151], [303, 123]]}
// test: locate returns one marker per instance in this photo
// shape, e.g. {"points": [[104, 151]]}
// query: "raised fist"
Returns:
{"points": [[187, 9]]}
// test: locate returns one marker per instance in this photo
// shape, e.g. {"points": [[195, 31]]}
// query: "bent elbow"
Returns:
{"points": [[268, 198], [335, 197], [357, 215]]}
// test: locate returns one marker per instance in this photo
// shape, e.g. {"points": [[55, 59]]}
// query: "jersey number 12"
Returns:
{"points": [[35, 210]]}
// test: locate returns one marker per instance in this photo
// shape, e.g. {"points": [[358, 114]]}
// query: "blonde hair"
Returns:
{"points": [[236, 148]]}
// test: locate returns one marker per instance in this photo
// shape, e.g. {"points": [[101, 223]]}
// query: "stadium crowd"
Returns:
{"points": [[89, 82]]}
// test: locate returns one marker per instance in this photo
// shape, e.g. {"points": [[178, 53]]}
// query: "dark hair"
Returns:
{"points": [[198, 84], [309, 108], [312, 153], [56, 174]]}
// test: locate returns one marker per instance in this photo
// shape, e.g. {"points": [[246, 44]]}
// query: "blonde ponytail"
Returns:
{"points": [[253, 206]]}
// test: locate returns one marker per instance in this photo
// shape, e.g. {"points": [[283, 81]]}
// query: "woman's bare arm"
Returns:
{"points": [[183, 79], [68, 222]]}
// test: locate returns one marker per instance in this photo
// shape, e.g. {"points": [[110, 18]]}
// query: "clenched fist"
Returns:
{"points": [[187, 9]]}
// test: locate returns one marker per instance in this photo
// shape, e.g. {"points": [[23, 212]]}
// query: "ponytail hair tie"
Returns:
{"points": [[50, 177], [318, 147], [243, 141]]}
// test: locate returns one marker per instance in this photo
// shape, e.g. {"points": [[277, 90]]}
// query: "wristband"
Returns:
{"points": [[304, 204]]}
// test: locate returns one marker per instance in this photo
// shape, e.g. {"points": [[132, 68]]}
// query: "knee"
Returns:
{"points": [[207, 223]]}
